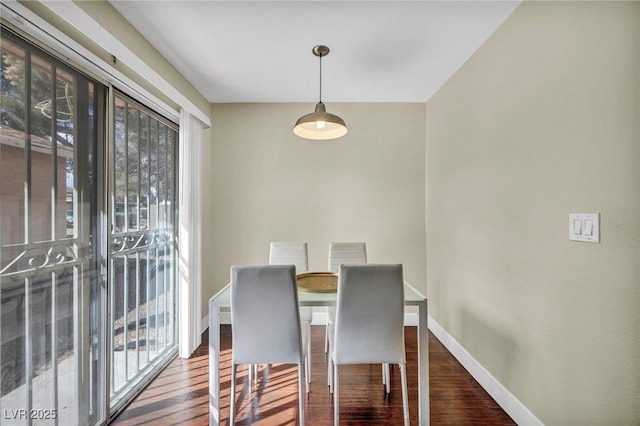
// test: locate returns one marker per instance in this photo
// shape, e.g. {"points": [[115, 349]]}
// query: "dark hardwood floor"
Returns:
{"points": [[179, 395]]}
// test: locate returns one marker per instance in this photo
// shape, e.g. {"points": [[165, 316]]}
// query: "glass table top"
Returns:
{"points": [[307, 298]]}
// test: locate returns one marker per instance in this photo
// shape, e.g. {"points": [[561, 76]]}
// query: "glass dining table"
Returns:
{"points": [[222, 300]]}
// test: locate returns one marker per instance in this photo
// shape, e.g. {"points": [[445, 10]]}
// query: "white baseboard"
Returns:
{"points": [[204, 324], [319, 318], [410, 319], [225, 318], [505, 399]]}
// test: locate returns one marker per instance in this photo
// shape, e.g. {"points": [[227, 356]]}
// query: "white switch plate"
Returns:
{"points": [[584, 227]]}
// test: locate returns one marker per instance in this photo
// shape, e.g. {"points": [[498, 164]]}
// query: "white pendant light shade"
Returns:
{"points": [[320, 125]]}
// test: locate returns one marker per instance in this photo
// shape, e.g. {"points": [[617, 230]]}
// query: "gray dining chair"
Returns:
{"points": [[297, 254], [265, 323], [347, 253], [343, 253], [369, 326], [292, 253]]}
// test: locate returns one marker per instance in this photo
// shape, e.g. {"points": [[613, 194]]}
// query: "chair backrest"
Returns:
{"points": [[265, 320], [346, 254], [284, 253], [369, 315]]}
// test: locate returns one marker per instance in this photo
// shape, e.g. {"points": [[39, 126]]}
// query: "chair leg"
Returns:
{"points": [[232, 405], [326, 338], [387, 376], [308, 364], [405, 398], [255, 374], [307, 373], [330, 369], [336, 396], [301, 379]]}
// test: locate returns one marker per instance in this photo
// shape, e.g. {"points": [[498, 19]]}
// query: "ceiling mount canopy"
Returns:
{"points": [[320, 125]]}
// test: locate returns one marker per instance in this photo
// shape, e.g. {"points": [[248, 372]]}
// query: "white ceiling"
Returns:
{"points": [[260, 51]]}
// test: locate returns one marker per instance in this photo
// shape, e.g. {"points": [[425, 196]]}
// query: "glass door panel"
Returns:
{"points": [[143, 308], [51, 297]]}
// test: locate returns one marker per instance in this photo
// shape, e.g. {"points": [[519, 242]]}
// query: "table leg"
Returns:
{"points": [[423, 365], [214, 364]]}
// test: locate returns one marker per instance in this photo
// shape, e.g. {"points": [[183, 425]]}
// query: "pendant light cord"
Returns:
{"points": [[320, 78]]}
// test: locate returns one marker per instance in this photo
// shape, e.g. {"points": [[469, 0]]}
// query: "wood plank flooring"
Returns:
{"points": [[179, 395]]}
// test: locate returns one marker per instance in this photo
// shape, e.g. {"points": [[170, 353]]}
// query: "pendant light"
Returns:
{"points": [[320, 125]]}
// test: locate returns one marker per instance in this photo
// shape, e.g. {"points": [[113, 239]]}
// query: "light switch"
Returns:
{"points": [[588, 227], [577, 226], [584, 227]]}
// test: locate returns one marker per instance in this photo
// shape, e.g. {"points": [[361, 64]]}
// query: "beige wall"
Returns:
{"points": [[543, 121], [269, 185]]}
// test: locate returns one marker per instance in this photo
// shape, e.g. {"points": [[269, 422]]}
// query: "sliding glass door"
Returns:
{"points": [[143, 300], [88, 298], [51, 293]]}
